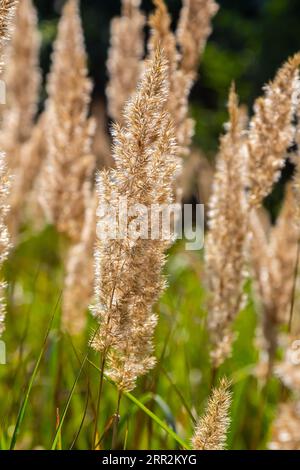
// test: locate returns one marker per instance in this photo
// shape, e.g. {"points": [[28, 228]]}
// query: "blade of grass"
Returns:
{"points": [[22, 411], [58, 430], [83, 418], [149, 413], [82, 364], [181, 397]]}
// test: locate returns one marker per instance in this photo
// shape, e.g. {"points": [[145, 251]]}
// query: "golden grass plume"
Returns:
{"points": [[226, 238], [70, 164], [212, 427], [128, 270], [124, 57]]}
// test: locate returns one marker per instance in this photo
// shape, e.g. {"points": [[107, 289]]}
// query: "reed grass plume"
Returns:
{"points": [[283, 245], [125, 57], [180, 84], [7, 12], [181, 79], [193, 30], [79, 278], [212, 427], [226, 238], [288, 369], [286, 428], [22, 78], [271, 130], [7, 9], [70, 163], [4, 235], [128, 271], [25, 184], [273, 257]]}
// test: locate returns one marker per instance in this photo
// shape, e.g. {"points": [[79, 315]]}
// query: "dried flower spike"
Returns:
{"points": [[273, 259], [128, 270], [7, 12], [211, 430], [124, 57], [22, 79], [4, 235], [271, 130], [193, 31], [7, 8], [70, 164], [225, 242], [286, 428], [79, 281]]}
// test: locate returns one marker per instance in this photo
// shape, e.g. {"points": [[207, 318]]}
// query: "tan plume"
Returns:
{"points": [[212, 427], [225, 242], [125, 57], [128, 270], [70, 164]]}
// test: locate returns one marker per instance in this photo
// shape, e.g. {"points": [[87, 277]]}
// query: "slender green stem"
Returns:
{"points": [[23, 408], [148, 412], [116, 423]]}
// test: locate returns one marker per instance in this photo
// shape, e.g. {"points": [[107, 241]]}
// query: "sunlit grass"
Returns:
{"points": [[49, 386]]}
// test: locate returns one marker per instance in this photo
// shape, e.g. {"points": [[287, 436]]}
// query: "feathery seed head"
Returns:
{"points": [[79, 281], [22, 78], [225, 242], [271, 130], [4, 235], [125, 57], [7, 11], [7, 8], [273, 258], [70, 163], [286, 429], [128, 278], [211, 430], [193, 31]]}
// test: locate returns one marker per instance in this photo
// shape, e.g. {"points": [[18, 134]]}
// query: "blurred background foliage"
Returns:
{"points": [[250, 40]]}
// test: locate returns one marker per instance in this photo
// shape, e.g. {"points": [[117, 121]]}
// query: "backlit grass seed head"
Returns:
{"points": [[22, 79], [7, 12], [183, 51], [125, 57], [283, 249], [225, 241], [286, 428], [70, 164], [7, 9], [180, 83], [128, 271], [4, 235], [79, 281], [193, 31], [273, 259], [212, 427], [271, 130], [25, 182], [288, 369]]}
